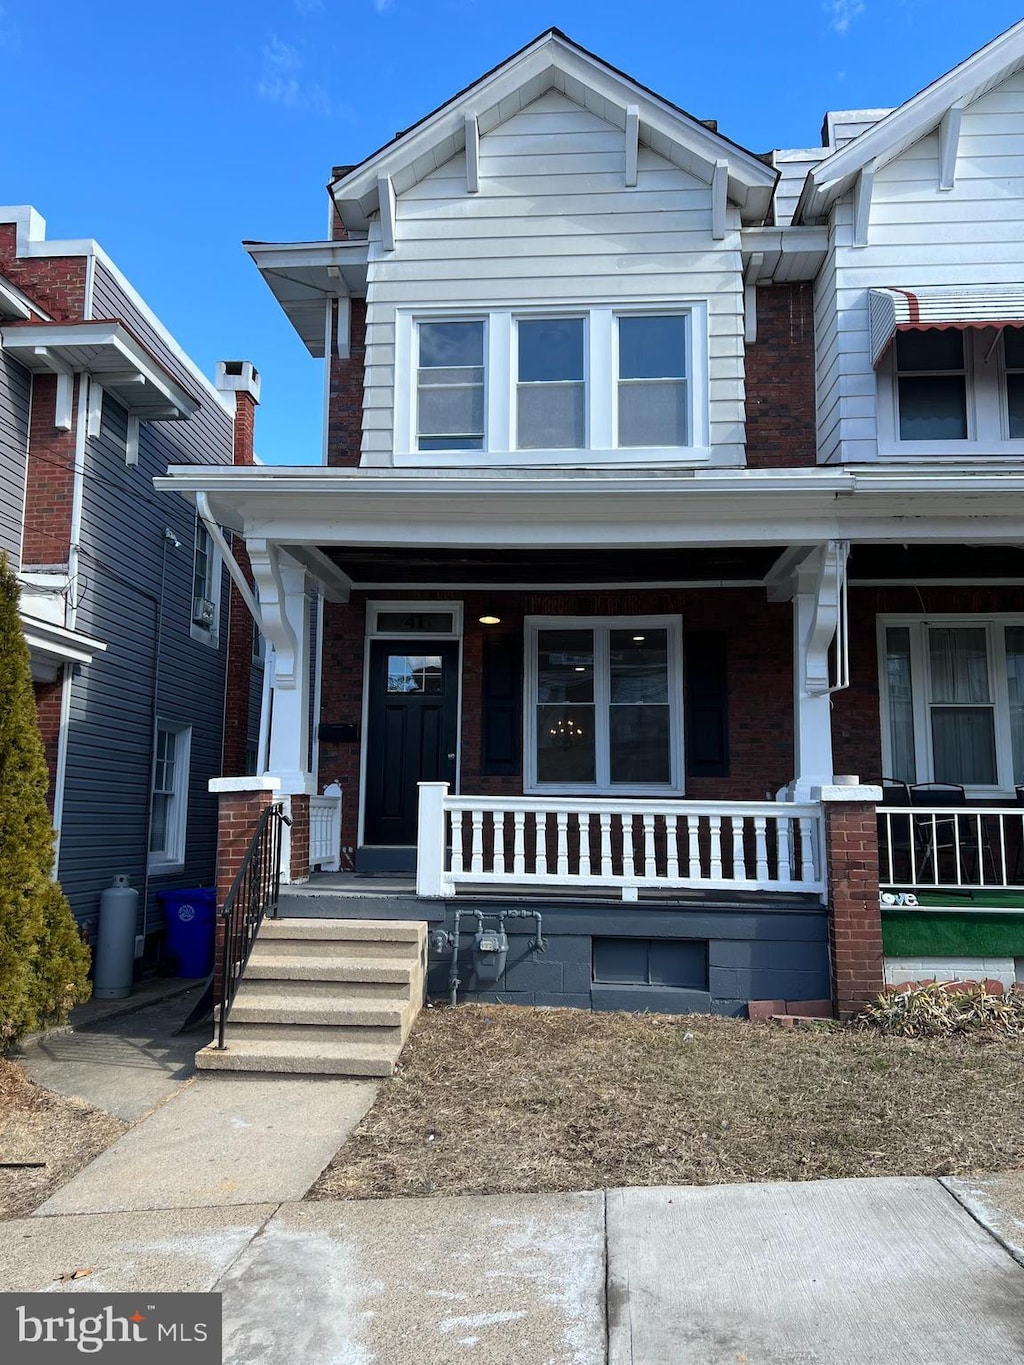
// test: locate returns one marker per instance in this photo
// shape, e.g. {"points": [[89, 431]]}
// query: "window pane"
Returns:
{"points": [[652, 414], [963, 743], [930, 350], [933, 408], [550, 348], [414, 673], [565, 744], [551, 417], [1015, 686], [456, 410], [901, 704], [1013, 348], [159, 823], [565, 666], [1015, 404], [639, 666], [444, 344], [201, 563], [652, 348], [639, 738], [958, 657]]}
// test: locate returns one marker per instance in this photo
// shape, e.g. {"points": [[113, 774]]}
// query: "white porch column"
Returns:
{"points": [[817, 587], [285, 611]]}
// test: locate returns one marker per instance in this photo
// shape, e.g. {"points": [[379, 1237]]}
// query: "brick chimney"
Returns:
{"points": [[241, 378]]}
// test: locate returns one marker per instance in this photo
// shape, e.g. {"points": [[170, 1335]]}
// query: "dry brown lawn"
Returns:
{"points": [[492, 1099], [39, 1126]]}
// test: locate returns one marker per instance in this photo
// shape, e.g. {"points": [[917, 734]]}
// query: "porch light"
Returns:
{"points": [[639, 639], [490, 620]]}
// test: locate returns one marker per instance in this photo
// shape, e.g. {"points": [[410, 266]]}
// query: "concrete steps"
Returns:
{"points": [[327, 996]]}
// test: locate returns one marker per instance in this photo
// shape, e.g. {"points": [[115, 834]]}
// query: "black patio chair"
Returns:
{"points": [[896, 832], [944, 835]]}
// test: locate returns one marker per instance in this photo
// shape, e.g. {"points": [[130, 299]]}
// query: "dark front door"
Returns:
{"points": [[412, 729]]}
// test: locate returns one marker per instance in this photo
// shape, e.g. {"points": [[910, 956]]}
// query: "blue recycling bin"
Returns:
{"points": [[188, 920]]}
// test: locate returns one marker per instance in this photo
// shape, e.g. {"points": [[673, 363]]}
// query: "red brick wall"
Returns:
{"points": [[780, 380], [856, 724], [345, 406], [48, 699], [299, 838], [244, 428], [238, 814], [55, 283], [49, 484], [759, 676], [855, 920]]}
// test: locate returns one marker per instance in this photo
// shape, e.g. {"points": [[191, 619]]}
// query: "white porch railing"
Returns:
{"points": [[957, 849], [325, 830], [583, 845]]}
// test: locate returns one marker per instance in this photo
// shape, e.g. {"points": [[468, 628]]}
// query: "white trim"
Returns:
{"points": [[601, 626], [262, 782], [601, 381], [372, 608], [61, 766], [993, 623], [172, 858]]}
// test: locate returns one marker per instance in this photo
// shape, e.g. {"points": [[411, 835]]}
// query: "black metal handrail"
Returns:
{"points": [[254, 891]]}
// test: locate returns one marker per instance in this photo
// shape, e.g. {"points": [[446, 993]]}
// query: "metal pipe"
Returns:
{"points": [[453, 971]]}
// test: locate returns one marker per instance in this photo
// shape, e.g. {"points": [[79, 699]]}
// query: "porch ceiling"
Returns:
{"points": [[417, 566], [935, 563]]}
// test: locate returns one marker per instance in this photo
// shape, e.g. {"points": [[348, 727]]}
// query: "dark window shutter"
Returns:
{"points": [[502, 706], [707, 704]]}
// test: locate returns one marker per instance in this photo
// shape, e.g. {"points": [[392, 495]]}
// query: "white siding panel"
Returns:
{"points": [[554, 223], [919, 236]]}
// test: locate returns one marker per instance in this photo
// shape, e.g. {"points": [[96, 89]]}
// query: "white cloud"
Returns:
{"points": [[281, 83], [381, 5], [841, 13]]}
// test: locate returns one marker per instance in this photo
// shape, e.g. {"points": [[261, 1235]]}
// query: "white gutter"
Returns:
{"points": [[230, 562]]}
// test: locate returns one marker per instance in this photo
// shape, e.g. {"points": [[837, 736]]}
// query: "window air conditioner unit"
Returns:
{"points": [[203, 612]]}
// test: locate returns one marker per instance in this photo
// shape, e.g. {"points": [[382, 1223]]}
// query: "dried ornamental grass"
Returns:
{"points": [[942, 1009]]}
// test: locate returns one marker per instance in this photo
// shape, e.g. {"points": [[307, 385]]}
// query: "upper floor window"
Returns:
{"points": [[534, 385], [947, 391], [205, 586]]}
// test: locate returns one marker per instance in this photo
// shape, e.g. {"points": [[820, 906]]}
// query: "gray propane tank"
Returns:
{"points": [[114, 963]]}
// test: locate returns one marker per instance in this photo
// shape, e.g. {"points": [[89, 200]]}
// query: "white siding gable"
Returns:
{"points": [[553, 224], [919, 236]]}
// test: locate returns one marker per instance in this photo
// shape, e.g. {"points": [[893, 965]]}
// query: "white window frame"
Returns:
{"points": [[602, 626], [600, 377], [207, 635], [988, 421], [994, 625], [171, 858]]}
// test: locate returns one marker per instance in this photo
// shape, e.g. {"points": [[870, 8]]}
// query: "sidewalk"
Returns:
{"points": [[849, 1272]]}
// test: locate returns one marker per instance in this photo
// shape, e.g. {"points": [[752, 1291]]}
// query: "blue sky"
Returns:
{"points": [[170, 133]]}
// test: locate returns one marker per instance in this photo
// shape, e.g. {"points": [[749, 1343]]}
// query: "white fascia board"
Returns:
{"points": [[30, 237], [49, 641], [773, 244], [50, 346], [915, 118], [302, 275], [751, 182], [14, 304]]}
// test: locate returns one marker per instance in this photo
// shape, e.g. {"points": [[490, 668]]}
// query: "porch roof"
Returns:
{"points": [[608, 509]]}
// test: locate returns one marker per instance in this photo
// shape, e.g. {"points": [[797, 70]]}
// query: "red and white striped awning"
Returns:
{"points": [[915, 310]]}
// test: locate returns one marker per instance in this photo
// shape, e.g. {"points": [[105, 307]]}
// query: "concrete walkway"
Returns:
{"points": [[851, 1272]]}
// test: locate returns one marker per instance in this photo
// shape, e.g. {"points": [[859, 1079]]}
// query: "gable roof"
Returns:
{"points": [[553, 61], [891, 136]]}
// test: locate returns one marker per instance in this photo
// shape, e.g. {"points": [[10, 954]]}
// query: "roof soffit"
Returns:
{"points": [[916, 118], [554, 62]]}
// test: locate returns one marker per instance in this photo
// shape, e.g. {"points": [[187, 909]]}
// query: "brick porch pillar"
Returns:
{"points": [[298, 838], [240, 803], [851, 873]]}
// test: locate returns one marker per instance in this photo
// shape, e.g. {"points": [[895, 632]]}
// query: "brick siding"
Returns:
{"points": [[855, 920], [50, 479], [345, 405], [48, 702], [238, 672], [780, 380]]}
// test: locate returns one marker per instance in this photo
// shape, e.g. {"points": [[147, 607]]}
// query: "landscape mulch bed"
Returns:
{"points": [[37, 1126], [497, 1099]]}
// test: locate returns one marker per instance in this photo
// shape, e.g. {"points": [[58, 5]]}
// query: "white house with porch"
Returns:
{"points": [[671, 503]]}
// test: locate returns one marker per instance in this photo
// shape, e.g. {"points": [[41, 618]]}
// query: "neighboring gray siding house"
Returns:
{"points": [[125, 602]]}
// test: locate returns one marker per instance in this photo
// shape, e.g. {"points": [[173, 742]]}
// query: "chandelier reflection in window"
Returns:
{"points": [[566, 731]]}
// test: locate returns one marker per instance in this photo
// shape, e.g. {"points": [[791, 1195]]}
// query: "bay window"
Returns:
{"points": [[522, 386], [953, 701], [604, 705]]}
